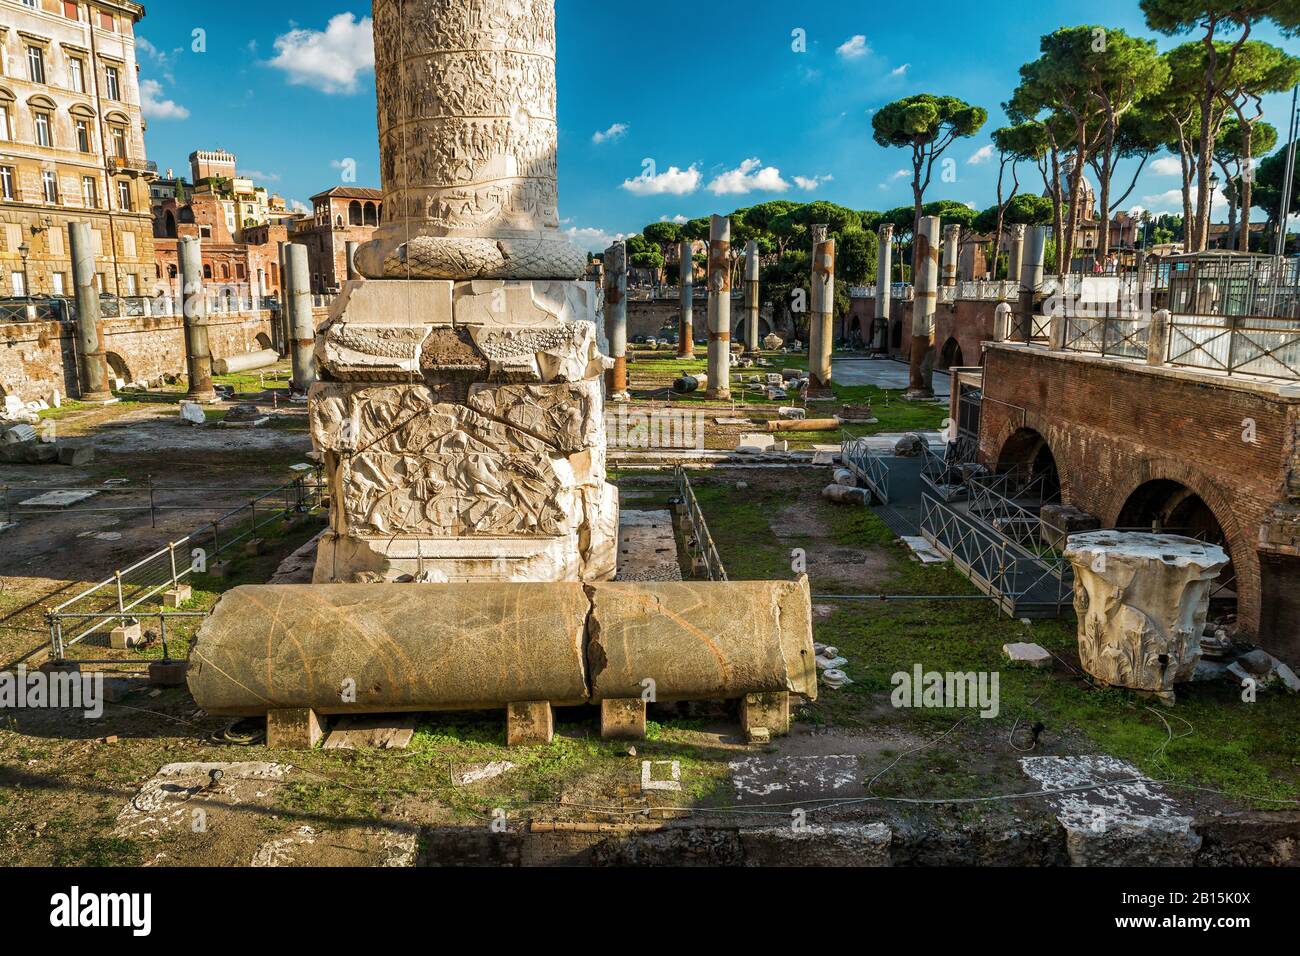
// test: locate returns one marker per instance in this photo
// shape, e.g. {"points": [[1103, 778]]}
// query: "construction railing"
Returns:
{"points": [[699, 543], [870, 469], [135, 591], [1122, 335], [1008, 503]]}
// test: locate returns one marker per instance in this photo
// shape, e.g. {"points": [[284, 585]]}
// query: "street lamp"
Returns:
{"points": [[24, 250]]}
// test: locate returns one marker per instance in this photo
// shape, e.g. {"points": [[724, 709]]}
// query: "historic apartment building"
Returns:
{"points": [[340, 215], [72, 146]]}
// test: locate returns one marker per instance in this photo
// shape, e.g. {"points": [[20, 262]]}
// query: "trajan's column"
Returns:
{"points": [[459, 410], [467, 142]]}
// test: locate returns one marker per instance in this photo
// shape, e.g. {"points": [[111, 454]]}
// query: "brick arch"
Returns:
{"points": [[1241, 543], [1050, 435]]}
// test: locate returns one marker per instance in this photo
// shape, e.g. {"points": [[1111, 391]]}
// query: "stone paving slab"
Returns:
{"points": [[647, 548]]}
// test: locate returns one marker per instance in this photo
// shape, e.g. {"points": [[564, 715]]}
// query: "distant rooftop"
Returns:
{"points": [[350, 192]]}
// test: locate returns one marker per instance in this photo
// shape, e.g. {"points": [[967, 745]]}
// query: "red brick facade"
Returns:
{"points": [[960, 329], [1112, 426]]}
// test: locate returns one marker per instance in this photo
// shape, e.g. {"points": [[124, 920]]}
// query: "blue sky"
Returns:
{"points": [[717, 100]]}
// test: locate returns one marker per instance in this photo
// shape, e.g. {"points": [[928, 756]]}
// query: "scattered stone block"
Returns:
{"points": [[167, 673], [755, 444], [292, 728], [76, 455], [1208, 670], [529, 722], [177, 596], [253, 547], [910, 445], [1024, 652], [768, 711], [1058, 522], [40, 453], [845, 495], [382, 732], [125, 636], [622, 719], [218, 569], [57, 499], [192, 412]]}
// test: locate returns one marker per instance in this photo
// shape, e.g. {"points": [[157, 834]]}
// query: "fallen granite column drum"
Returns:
{"points": [[467, 142], [1142, 601], [701, 640], [396, 647], [339, 649]]}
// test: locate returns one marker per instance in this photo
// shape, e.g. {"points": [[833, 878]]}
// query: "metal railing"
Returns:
{"points": [[1238, 345], [940, 473], [1006, 502], [1018, 582], [1122, 335], [870, 469], [699, 543], [126, 594]]}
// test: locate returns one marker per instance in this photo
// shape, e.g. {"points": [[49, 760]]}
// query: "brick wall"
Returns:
{"points": [[967, 322], [1112, 426]]}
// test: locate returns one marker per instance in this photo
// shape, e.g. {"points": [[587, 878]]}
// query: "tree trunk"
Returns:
{"points": [[1247, 175]]}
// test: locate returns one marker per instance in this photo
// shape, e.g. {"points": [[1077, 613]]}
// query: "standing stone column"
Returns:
{"points": [[350, 259], [951, 237], [90, 331], [282, 320], [823, 305], [1031, 278], [685, 330], [884, 286], [751, 297], [302, 329], [924, 306], [616, 317], [719, 278], [1015, 249], [467, 143], [194, 299]]}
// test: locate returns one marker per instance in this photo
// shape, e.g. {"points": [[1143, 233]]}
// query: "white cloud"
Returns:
{"points": [[258, 176], [809, 183], [592, 240], [616, 131], [155, 106], [981, 156], [674, 182], [1167, 166], [1171, 201], [328, 60], [750, 176], [854, 48], [298, 206], [679, 219], [895, 176], [900, 70], [160, 60]]}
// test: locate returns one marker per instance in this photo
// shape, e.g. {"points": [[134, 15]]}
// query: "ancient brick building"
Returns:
{"points": [[1137, 444], [340, 215]]}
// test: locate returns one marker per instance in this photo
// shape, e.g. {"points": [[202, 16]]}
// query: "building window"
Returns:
{"points": [[123, 195], [107, 22], [130, 284], [77, 75], [17, 283], [6, 182], [57, 279], [6, 131], [36, 64], [50, 183], [90, 192], [43, 128], [99, 282], [70, 10], [119, 142], [83, 136], [111, 84]]}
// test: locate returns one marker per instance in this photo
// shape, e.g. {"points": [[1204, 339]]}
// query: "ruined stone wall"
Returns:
{"points": [[38, 357], [1112, 426], [969, 322]]}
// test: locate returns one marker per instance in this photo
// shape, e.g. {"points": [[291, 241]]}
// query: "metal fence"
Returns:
{"points": [[139, 589], [1123, 335], [1238, 345], [1008, 503], [870, 469], [699, 543], [941, 474], [1020, 583]]}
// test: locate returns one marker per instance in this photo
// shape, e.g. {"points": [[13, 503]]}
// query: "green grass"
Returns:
{"points": [[1249, 750]]}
